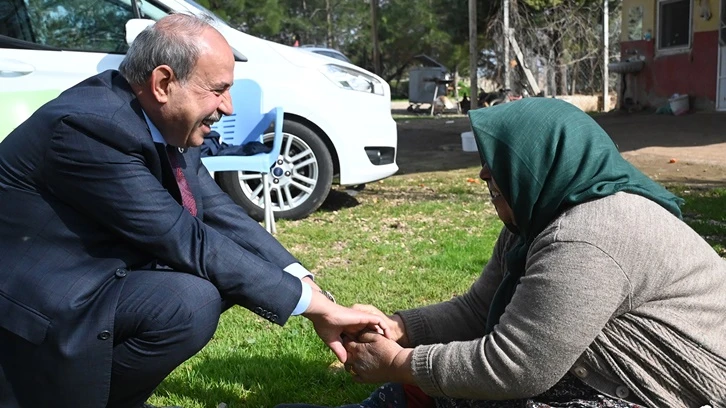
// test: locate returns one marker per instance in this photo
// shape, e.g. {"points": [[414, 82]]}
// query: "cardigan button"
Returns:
{"points": [[121, 273], [581, 372], [104, 335], [622, 391]]}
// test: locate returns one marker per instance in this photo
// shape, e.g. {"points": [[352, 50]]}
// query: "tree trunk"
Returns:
{"points": [[473, 51], [560, 70], [505, 37], [374, 38], [329, 20], [551, 74]]}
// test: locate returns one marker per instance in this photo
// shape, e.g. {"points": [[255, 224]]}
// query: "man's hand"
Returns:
{"points": [[373, 358], [397, 330], [332, 322]]}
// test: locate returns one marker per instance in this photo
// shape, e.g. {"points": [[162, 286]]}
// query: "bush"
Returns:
{"points": [[399, 89], [465, 90]]}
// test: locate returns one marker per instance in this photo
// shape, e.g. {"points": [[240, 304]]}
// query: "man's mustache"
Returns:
{"points": [[213, 118]]}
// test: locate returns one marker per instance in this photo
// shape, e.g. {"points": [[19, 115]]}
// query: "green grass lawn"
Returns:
{"points": [[705, 212], [402, 242]]}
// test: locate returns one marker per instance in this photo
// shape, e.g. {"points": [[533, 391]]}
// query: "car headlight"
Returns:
{"points": [[347, 78]]}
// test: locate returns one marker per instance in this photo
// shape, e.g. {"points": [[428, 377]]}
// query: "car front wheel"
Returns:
{"points": [[300, 179]]}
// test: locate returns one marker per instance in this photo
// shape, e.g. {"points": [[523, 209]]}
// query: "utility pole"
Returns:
{"points": [[473, 55], [374, 37], [605, 56], [507, 67]]}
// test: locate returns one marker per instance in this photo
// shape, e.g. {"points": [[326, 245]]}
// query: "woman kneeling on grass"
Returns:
{"points": [[596, 295]]}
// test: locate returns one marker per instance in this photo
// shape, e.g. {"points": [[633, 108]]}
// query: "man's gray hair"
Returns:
{"points": [[171, 41]]}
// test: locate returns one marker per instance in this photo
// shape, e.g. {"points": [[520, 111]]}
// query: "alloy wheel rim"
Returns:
{"points": [[293, 177]]}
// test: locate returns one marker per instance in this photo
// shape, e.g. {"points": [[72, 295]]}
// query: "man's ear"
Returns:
{"points": [[161, 80]]}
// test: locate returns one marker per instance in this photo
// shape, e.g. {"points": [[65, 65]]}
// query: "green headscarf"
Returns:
{"points": [[547, 155]]}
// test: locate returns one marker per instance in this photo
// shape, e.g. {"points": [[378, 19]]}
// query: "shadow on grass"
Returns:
{"points": [[338, 200], [700, 184], [266, 382]]}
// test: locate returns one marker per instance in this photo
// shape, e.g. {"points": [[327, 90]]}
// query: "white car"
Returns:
{"points": [[338, 125]]}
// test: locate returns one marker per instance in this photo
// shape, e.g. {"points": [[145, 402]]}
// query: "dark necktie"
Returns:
{"points": [[186, 193]]}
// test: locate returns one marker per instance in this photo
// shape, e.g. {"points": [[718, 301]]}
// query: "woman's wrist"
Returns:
{"points": [[402, 366], [399, 330]]}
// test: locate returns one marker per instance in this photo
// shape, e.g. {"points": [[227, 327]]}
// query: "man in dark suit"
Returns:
{"points": [[118, 251]]}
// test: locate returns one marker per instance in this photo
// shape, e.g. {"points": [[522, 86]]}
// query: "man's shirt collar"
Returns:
{"points": [[155, 134]]}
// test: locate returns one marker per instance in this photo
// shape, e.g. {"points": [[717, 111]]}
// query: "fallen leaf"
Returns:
{"points": [[336, 366]]}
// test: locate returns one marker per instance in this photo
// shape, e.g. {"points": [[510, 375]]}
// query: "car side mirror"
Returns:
{"points": [[135, 26]]}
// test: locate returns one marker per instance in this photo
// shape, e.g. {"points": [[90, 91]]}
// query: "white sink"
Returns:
{"points": [[626, 67]]}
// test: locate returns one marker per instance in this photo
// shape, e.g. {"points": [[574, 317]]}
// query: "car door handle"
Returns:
{"points": [[10, 68]]}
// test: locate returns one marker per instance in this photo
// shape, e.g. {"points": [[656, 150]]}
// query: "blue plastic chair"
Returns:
{"points": [[248, 124]]}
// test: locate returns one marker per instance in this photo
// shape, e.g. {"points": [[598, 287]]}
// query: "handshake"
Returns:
{"points": [[370, 344]]}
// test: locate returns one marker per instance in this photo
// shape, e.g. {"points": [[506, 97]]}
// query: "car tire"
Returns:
{"points": [[303, 184]]}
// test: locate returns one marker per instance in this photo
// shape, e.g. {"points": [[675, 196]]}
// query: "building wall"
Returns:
{"points": [[648, 22], [691, 72]]}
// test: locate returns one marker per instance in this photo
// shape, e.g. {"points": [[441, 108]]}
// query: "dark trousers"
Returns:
{"points": [[162, 319]]}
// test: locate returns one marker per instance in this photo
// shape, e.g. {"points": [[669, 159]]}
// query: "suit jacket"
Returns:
{"points": [[85, 199]]}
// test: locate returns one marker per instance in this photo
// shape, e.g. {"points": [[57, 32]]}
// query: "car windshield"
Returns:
{"points": [[332, 54], [206, 11]]}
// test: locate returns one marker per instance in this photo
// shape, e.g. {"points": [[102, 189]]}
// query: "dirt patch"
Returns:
{"points": [[688, 149]]}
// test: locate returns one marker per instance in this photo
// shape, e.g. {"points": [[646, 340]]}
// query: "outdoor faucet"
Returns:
{"points": [[633, 54]]}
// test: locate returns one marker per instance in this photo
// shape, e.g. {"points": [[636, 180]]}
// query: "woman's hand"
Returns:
{"points": [[396, 328], [374, 358]]}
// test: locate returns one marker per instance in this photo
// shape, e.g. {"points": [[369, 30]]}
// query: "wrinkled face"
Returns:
{"points": [[193, 106], [504, 211]]}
